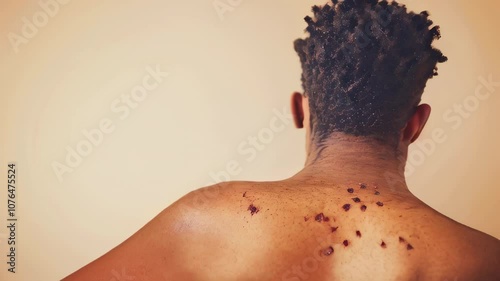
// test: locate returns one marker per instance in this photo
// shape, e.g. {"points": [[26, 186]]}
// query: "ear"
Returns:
{"points": [[297, 110], [416, 123]]}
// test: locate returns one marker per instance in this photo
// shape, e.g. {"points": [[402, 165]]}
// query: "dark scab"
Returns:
{"points": [[328, 251], [363, 208], [356, 200], [319, 217], [383, 245], [362, 186], [326, 219], [245, 194], [346, 207], [335, 228], [358, 233], [346, 243], [409, 247], [350, 190], [377, 193], [253, 210], [402, 240], [380, 204]]}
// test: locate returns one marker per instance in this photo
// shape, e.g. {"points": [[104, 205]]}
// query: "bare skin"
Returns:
{"points": [[348, 215]]}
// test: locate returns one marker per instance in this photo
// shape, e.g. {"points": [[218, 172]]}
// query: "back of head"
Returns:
{"points": [[365, 66]]}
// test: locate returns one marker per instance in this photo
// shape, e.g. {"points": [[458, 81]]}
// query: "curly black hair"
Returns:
{"points": [[365, 65]]}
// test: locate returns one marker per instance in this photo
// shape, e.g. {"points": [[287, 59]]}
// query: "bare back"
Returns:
{"points": [[293, 231]]}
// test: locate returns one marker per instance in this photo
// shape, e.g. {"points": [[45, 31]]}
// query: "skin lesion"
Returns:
{"points": [[253, 210], [328, 251], [346, 207], [409, 246], [321, 218]]}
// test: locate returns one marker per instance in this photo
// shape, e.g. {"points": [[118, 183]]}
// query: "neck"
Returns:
{"points": [[344, 159]]}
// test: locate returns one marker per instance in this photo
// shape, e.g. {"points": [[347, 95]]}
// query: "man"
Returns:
{"points": [[348, 214]]}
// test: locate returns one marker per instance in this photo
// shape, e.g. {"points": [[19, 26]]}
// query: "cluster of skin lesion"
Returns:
{"points": [[356, 201], [363, 207]]}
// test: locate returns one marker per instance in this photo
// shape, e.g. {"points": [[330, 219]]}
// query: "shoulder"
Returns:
{"points": [[225, 199], [465, 251], [186, 241], [205, 230], [208, 200], [484, 254]]}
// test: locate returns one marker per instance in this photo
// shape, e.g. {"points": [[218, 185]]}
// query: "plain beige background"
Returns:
{"points": [[228, 75]]}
